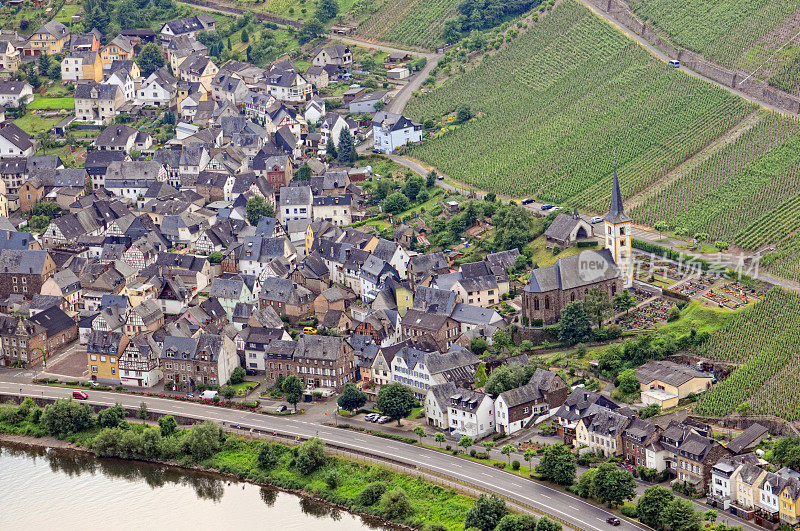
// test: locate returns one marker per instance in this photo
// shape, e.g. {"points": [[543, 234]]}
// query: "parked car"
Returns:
{"points": [[596, 219], [674, 63], [208, 395], [309, 330], [79, 395], [547, 207], [281, 408], [527, 201], [383, 420], [613, 520], [371, 417]]}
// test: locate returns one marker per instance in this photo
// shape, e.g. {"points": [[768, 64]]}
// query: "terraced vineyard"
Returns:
{"points": [[553, 104], [766, 339], [410, 22], [745, 193], [735, 34]]}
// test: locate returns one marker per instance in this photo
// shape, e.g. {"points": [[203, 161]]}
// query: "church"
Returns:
{"points": [[551, 288]]}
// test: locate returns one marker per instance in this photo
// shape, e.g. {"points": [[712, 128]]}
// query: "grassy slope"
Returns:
{"points": [[765, 338], [409, 22], [735, 34], [564, 95]]}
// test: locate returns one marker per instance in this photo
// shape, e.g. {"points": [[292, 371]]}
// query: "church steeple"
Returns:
{"points": [[617, 212]]}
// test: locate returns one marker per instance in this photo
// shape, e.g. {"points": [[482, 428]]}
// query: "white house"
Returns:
{"points": [[158, 90], [288, 85], [437, 404], [471, 414], [14, 142], [514, 408], [14, 92], [722, 477], [331, 128], [315, 110], [124, 81], [373, 274], [139, 364], [333, 208], [295, 203], [391, 131]]}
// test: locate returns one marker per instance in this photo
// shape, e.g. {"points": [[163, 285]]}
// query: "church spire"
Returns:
{"points": [[617, 212]]}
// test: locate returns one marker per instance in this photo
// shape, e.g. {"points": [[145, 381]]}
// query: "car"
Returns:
{"points": [[440, 177], [281, 408], [596, 219], [309, 330], [527, 201], [547, 207], [371, 417], [613, 520], [93, 383], [79, 395], [674, 63], [208, 395], [383, 420]]}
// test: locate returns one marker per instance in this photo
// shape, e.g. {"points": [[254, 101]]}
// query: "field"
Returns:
{"points": [[32, 124], [745, 193], [67, 102], [553, 106], [765, 338], [411, 22], [735, 34], [301, 10]]}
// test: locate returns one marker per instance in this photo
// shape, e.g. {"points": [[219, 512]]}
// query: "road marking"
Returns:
{"points": [[545, 496]]}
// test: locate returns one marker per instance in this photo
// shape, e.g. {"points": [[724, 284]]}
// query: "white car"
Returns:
{"points": [[596, 219]]}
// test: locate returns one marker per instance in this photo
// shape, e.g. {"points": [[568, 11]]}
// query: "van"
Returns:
{"points": [[674, 63], [208, 395], [79, 395], [309, 330]]}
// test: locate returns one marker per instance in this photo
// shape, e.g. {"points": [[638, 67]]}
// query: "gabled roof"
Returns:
{"points": [[25, 262], [570, 272], [53, 320], [16, 136], [54, 28]]}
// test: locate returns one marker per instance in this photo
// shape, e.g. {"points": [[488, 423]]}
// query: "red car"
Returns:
{"points": [[613, 520], [79, 395]]}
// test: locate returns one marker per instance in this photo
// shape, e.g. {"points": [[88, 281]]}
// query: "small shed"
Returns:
{"points": [[401, 72]]}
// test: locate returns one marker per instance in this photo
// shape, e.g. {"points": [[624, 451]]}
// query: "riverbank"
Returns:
{"points": [[367, 490]]}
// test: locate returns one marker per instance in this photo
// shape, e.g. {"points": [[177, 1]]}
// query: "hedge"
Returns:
{"points": [[669, 253]]}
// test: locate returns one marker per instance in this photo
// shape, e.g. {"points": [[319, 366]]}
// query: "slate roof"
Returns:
{"points": [[16, 136], [317, 347], [668, 372], [749, 437], [432, 322], [568, 273], [295, 195], [54, 320], [434, 300], [428, 262], [521, 395], [561, 227], [26, 262]]}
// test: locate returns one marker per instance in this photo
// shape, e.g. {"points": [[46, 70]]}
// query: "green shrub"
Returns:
{"points": [[515, 464], [371, 494]]}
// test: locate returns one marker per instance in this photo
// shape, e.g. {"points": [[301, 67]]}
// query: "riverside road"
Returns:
{"points": [[576, 512]]}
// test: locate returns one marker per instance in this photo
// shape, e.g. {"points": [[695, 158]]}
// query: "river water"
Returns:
{"points": [[67, 490]]}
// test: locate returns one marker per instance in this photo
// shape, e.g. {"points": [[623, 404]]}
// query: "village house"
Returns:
{"points": [[322, 361], [580, 404], [103, 350], [10, 55], [567, 229], [52, 39], [119, 49], [602, 432], [471, 414], [24, 272], [335, 209], [82, 65], [206, 360], [139, 362], [187, 27], [286, 298], [391, 131], [666, 382], [97, 103], [14, 142], [12, 93], [437, 405], [337, 54]]}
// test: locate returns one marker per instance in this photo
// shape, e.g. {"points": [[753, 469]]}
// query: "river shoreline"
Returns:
{"points": [[46, 443]]}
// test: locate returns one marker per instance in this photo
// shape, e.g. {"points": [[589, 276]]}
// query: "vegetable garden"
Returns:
{"points": [[411, 22], [551, 106], [765, 337], [734, 34]]}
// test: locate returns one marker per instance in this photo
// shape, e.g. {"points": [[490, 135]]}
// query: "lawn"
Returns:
{"points": [[32, 124], [700, 317], [66, 102], [66, 13], [543, 257], [244, 387]]}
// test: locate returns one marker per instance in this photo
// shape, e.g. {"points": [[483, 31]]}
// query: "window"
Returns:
{"points": [[94, 368]]}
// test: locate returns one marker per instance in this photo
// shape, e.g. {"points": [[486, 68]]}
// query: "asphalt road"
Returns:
{"points": [[580, 514]]}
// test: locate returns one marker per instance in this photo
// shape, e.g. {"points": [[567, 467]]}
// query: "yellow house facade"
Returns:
{"points": [[789, 502], [93, 67], [120, 49], [404, 298], [102, 354], [52, 38]]}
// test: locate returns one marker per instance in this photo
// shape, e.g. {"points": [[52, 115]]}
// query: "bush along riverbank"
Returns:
{"points": [[360, 488]]}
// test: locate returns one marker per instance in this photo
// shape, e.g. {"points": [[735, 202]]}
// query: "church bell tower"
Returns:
{"points": [[618, 228]]}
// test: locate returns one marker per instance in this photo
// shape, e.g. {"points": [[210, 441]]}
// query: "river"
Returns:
{"points": [[69, 490]]}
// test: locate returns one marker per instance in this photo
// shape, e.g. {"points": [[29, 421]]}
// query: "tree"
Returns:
{"points": [[517, 522], [347, 149], [661, 226], [352, 397], [465, 442], [528, 455], [557, 464], [430, 179], [397, 202], [292, 389], [256, 208], [227, 392], [333, 479], [65, 417], [215, 257], [420, 432], [628, 382], [652, 503], [237, 376], [268, 455], [327, 10], [451, 31], [598, 305], [382, 189], [585, 483], [624, 300], [547, 524], [612, 485], [245, 37], [412, 187], [312, 29], [111, 417], [45, 140], [680, 515], [310, 456], [575, 325], [142, 413], [202, 441], [506, 450], [396, 401], [168, 425], [650, 411], [150, 59], [463, 114], [395, 505], [439, 438], [303, 173], [486, 513], [45, 63], [330, 149]]}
